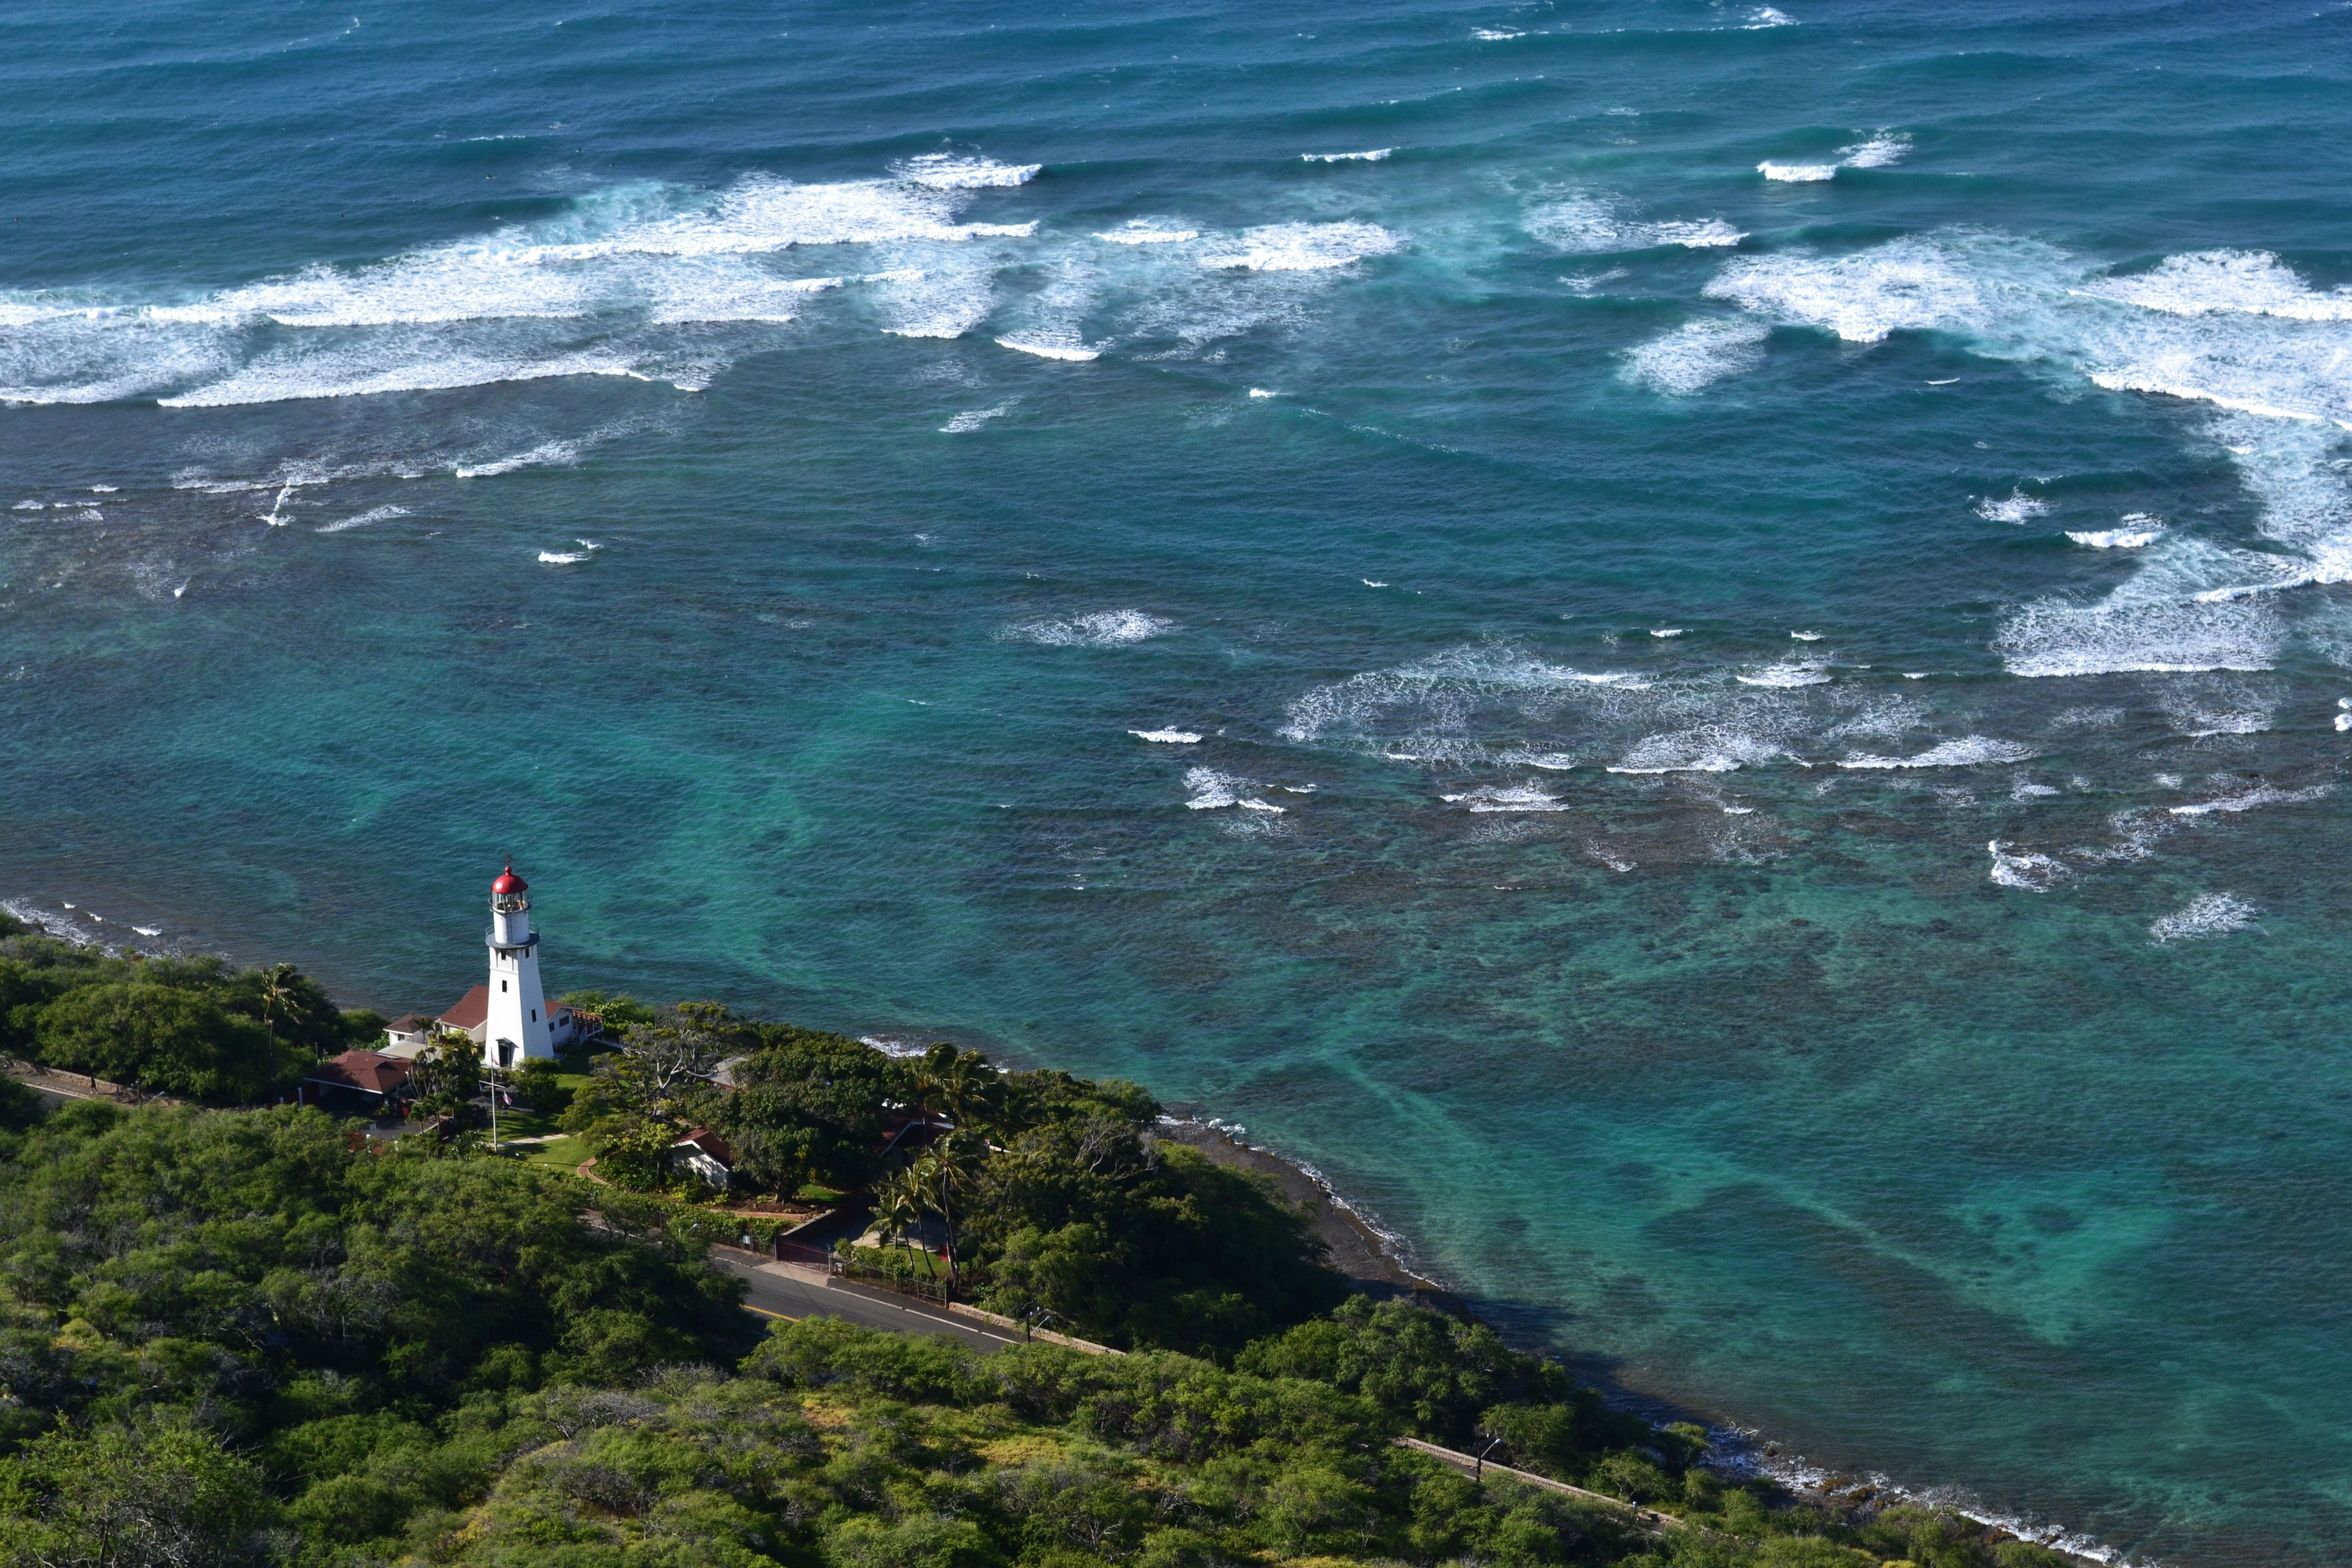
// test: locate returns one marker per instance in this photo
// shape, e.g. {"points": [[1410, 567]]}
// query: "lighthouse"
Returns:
{"points": [[517, 1026]]}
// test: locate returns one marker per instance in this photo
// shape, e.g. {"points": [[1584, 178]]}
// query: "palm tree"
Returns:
{"points": [[960, 1085], [899, 1203], [946, 1167]]}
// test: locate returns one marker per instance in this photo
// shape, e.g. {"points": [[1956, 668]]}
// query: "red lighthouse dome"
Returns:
{"points": [[508, 882]]}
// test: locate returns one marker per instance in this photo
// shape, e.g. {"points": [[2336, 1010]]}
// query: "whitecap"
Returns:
{"points": [[2138, 531], [2247, 800], [1710, 749], [1206, 789], [1168, 737], [1490, 798], [28, 506], [1806, 637], [973, 418], [1882, 151], [379, 514], [1148, 231], [2212, 282], [1303, 247], [1791, 673], [1695, 355], [1666, 631], [1376, 155], [107, 490], [1495, 34], [1102, 628], [2209, 914], [1073, 352], [1590, 224], [2058, 638], [1797, 173], [2015, 507], [1769, 16], [2035, 873], [1970, 751], [956, 171], [547, 452]]}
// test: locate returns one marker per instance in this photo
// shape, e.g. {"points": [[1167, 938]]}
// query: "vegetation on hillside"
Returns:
{"points": [[192, 1027], [1059, 1203], [239, 1338]]}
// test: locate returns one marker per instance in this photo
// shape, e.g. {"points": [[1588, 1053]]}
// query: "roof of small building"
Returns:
{"points": [[372, 1072], [409, 1023], [470, 1011], [711, 1143]]}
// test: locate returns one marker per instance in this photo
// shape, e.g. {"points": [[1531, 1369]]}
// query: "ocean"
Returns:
{"points": [[1702, 649]]}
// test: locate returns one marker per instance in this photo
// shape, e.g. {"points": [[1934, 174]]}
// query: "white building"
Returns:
{"points": [[517, 1024]]}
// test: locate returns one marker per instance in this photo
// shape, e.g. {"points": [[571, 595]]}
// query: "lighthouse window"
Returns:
{"points": [[534, 1014], [502, 984]]}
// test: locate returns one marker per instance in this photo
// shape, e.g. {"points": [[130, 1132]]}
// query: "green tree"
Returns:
{"points": [[166, 1038]]}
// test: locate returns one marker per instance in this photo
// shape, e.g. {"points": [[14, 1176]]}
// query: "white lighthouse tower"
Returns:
{"points": [[517, 1027]]}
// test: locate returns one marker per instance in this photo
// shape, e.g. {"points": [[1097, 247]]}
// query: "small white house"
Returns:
{"points": [[706, 1154]]}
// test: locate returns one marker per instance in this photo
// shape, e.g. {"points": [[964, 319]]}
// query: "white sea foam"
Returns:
{"points": [[2209, 914], [973, 418], [1443, 687], [1902, 284], [1798, 173], [1488, 799], [1769, 16], [514, 304], [1149, 231], [2033, 872], [28, 506], [2138, 531], [1168, 737], [1102, 628], [1806, 637], [2252, 283], [1495, 34], [1968, 751], [1206, 789], [562, 453], [1666, 631], [2248, 800], [955, 171], [1074, 352], [569, 557], [379, 514], [1302, 247], [2060, 637], [1708, 749], [2015, 507], [1376, 155], [1695, 355], [1882, 151], [1585, 223], [1791, 673]]}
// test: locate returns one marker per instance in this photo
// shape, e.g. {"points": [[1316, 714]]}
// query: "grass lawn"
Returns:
{"points": [[563, 1154], [515, 1123]]}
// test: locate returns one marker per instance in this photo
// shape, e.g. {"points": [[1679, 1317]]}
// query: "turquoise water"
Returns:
{"points": [[660, 444]]}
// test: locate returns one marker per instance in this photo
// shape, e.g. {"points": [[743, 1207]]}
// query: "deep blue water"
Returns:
{"points": [[660, 443]]}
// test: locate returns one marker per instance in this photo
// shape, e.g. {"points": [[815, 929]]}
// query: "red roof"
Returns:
{"points": [[370, 1072], [508, 882], [711, 1143], [470, 1011]]}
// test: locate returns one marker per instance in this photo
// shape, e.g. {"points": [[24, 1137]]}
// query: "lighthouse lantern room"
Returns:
{"points": [[517, 1027]]}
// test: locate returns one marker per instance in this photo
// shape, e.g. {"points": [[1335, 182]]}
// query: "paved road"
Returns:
{"points": [[795, 1293]]}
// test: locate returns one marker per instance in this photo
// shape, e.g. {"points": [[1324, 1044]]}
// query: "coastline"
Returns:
{"points": [[1375, 1260], [1370, 1257]]}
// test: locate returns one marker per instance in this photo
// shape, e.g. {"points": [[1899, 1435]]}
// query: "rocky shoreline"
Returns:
{"points": [[1360, 1252]]}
